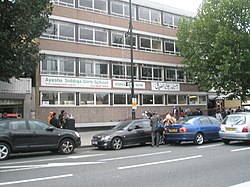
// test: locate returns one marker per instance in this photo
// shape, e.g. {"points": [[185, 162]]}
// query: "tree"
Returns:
{"points": [[21, 24], [215, 46]]}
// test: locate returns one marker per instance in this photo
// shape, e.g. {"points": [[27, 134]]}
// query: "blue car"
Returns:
{"points": [[193, 128]]}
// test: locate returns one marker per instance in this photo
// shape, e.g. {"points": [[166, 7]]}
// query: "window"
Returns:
{"points": [[123, 70], [37, 125], [174, 75], [170, 46], [182, 99], [147, 99], [93, 68], [152, 99], [204, 121], [120, 99], [151, 72], [193, 99], [150, 44], [93, 5], [55, 65], [17, 125], [171, 20], [202, 99], [49, 98], [2, 125], [149, 15], [60, 30], [121, 9], [120, 39], [69, 3], [87, 99], [102, 99], [172, 99], [93, 35], [67, 98]]}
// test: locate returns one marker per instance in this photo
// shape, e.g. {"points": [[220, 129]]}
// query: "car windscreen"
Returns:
{"points": [[121, 125], [186, 120], [234, 120]]}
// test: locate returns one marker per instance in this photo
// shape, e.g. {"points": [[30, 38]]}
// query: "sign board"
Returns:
{"points": [[163, 86], [125, 84]]}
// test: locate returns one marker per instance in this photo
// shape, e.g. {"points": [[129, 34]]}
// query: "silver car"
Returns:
{"points": [[235, 127]]}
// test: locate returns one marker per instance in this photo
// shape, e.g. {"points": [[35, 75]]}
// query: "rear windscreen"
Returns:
{"points": [[234, 120]]}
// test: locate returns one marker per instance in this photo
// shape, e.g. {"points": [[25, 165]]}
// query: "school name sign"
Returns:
{"points": [[75, 82]]}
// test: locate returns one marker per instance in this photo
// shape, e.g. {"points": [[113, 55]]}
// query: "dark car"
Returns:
{"points": [[124, 133], [193, 128], [28, 135]]}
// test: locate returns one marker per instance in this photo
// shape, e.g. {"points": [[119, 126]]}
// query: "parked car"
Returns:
{"points": [[28, 135], [235, 127], [193, 128], [124, 133]]}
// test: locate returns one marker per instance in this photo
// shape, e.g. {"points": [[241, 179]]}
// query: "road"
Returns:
{"points": [[212, 164]]}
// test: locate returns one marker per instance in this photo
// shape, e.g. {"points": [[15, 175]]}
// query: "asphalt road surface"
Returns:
{"points": [[212, 164]]}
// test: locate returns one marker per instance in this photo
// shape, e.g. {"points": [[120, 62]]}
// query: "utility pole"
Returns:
{"points": [[132, 63]]}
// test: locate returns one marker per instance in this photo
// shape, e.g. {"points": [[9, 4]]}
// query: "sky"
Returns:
{"points": [[189, 5]]}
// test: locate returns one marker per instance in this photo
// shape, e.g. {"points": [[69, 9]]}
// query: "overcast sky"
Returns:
{"points": [[189, 5]]}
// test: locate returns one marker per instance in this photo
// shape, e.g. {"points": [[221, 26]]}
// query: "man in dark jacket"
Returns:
{"points": [[54, 121], [155, 135]]}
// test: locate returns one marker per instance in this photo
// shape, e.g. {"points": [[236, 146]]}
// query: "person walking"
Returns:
{"points": [[50, 117], [155, 135], [54, 121]]}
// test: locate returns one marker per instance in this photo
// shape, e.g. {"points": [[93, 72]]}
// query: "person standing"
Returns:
{"points": [[60, 118], [65, 120], [50, 117], [155, 135], [54, 121]]}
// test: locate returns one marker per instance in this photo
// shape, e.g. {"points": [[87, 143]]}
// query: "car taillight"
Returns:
{"points": [[245, 129], [183, 129]]}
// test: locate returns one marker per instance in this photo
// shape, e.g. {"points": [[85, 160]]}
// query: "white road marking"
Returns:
{"points": [[134, 156], [207, 146], [242, 149], [36, 179], [160, 162], [52, 159], [26, 167], [245, 184]]}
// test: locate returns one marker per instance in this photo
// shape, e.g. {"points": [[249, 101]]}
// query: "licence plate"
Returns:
{"points": [[172, 130], [230, 129], [94, 142]]}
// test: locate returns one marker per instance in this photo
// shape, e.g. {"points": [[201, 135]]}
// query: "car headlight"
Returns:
{"points": [[222, 129], [105, 138], [77, 134]]}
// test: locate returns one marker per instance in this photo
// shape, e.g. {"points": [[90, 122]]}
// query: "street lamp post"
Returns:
{"points": [[132, 63]]}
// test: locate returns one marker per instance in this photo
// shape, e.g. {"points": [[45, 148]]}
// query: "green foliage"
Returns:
{"points": [[21, 24], [215, 46]]}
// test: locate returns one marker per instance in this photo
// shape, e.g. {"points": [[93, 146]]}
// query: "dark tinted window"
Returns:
{"points": [[37, 125], [17, 125], [137, 125], [235, 120], [121, 125]]}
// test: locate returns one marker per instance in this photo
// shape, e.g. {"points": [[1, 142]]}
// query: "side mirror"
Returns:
{"points": [[50, 128], [130, 128]]}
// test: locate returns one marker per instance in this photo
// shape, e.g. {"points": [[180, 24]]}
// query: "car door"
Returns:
{"points": [[146, 131], [135, 132], [19, 135], [43, 137], [207, 127], [216, 124]]}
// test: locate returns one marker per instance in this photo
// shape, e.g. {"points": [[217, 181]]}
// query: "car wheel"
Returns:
{"points": [[116, 143], [199, 139], [225, 141], [4, 151], [66, 146]]}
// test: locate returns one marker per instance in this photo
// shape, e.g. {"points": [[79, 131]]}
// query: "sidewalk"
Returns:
{"points": [[88, 130]]}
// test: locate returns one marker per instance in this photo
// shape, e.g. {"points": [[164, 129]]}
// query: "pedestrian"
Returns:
{"points": [[145, 115], [60, 118], [169, 120], [50, 117], [65, 120], [238, 109], [155, 135], [54, 121], [218, 116]]}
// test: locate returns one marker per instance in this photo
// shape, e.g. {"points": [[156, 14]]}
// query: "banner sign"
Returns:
{"points": [[163, 86], [74, 82], [124, 84]]}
